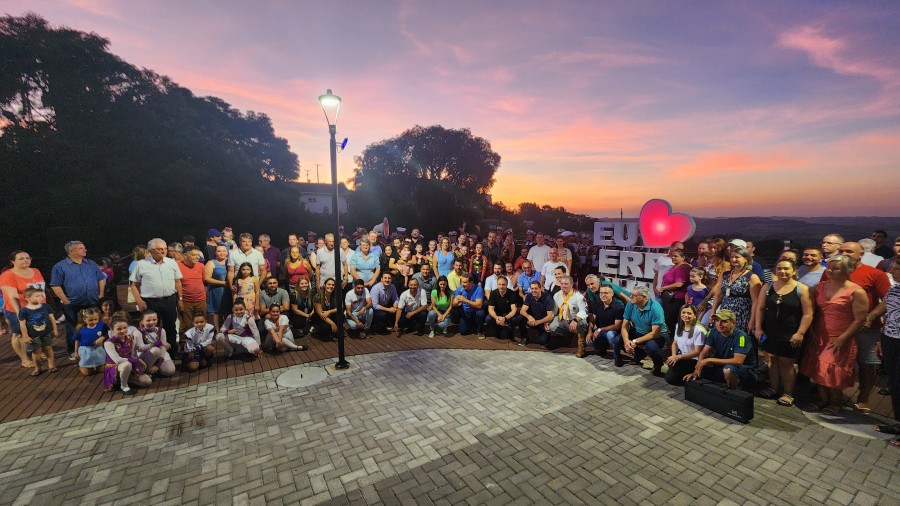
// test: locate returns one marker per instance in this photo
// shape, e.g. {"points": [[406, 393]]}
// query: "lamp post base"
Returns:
{"points": [[342, 364]]}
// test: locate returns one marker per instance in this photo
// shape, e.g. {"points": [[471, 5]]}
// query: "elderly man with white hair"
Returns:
{"points": [[869, 257], [156, 284], [571, 314], [644, 328]]}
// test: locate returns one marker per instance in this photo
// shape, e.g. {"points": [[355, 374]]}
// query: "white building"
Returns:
{"points": [[317, 198]]}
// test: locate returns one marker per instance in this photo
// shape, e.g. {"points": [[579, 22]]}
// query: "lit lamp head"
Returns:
{"points": [[331, 105]]}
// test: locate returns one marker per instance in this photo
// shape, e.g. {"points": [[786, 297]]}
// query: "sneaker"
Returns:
{"points": [[431, 335], [522, 343], [72, 357], [127, 390], [301, 347], [480, 336], [444, 330]]}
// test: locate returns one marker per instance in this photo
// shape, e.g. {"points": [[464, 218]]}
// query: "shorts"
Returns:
{"points": [[746, 377], [91, 356], [866, 341], [13, 320], [38, 342]]}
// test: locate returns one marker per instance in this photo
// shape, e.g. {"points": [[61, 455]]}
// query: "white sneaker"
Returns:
{"points": [[431, 335], [127, 390]]}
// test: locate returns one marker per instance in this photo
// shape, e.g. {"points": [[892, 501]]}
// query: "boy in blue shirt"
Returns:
{"points": [[38, 329]]}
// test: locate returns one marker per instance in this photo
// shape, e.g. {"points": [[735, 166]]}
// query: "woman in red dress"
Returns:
{"points": [[830, 358]]}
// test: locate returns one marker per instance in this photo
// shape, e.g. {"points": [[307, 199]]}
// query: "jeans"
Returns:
{"points": [[366, 319], [471, 321], [432, 321], [608, 339], [504, 332], [651, 348], [536, 333], [418, 320], [382, 319]]}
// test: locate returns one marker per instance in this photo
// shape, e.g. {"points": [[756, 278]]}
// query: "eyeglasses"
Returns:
{"points": [[829, 242]]}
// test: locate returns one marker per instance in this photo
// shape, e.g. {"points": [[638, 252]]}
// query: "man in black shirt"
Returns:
{"points": [[537, 313], [606, 316], [503, 306]]}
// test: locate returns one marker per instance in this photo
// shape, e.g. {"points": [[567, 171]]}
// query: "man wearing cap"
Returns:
{"points": [[644, 328], [529, 239], [728, 355], [213, 239], [358, 303]]}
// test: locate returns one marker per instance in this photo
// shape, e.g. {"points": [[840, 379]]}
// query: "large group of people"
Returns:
{"points": [[828, 312]]}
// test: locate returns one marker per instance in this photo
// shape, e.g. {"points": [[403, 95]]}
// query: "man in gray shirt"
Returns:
{"points": [[427, 281]]}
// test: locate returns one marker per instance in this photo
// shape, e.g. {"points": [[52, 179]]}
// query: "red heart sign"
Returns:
{"points": [[660, 227]]}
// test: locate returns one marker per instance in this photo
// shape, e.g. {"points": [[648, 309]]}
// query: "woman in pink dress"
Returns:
{"points": [[830, 357]]}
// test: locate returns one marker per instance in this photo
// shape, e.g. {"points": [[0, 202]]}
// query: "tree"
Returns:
{"points": [[439, 177], [91, 144]]}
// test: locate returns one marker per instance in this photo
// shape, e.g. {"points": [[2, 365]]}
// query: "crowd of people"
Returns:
{"points": [[829, 312]]}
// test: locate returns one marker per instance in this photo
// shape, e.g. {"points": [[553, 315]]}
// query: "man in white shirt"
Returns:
{"points": [[571, 315], [491, 282], [358, 303], [156, 285], [869, 257], [412, 309], [547, 275], [539, 253], [246, 253], [325, 263]]}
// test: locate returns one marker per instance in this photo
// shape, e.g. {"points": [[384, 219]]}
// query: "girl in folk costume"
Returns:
{"points": [[153, 337], [239, 332], [122, 366]]}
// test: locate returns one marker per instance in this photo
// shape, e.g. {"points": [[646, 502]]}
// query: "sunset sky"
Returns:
{"points": [[722, 108]]}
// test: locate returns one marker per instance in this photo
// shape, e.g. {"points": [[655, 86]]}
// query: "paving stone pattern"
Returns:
{"points": [[438, 427]]}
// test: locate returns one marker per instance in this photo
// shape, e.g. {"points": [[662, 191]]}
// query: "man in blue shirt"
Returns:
{"points": [[384, 302], [644, 328], [528, 275], [78, 282], [729, 354], [469, 297]]}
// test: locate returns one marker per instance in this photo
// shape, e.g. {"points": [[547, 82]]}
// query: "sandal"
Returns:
{"points": [[785, 400], [768, 393], [36, 372], [52, 369], [859, 409], [831, 410], [888, 429]]}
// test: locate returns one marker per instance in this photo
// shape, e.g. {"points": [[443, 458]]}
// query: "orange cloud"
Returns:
{"points": [[735, 161]]}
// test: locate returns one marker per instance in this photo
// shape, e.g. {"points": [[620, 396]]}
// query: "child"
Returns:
{"points": [[696, 291], [107, 308], [89, 336], [686, 347], [278, 331], [152, 346], [247, 288], [239, 330], [405, 265], [38, 329], [122, 366], [197, 346]]}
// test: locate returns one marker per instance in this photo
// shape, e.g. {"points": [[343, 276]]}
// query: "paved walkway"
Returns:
{"points": [[442, 427]]}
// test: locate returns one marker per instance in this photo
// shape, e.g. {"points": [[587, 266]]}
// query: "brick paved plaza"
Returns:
{"points": [[442, 427]]}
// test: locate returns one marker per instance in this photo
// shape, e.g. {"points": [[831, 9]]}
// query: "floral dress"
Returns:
{"points": [[247, 291], [736, 297]]}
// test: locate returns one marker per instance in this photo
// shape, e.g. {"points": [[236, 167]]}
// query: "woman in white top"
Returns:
{"points": [[686, 347], [278, 331]]}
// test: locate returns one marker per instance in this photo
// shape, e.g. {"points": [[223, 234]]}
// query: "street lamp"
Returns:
{"points": [[331, 105]]}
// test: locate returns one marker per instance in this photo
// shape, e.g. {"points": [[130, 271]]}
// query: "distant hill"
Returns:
{"points": [[800, 230]]}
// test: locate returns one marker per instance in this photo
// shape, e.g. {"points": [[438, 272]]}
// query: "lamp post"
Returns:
{"points": [[331, 106]]}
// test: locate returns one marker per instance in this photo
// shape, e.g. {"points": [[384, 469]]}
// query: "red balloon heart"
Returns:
{"points": [[660, 227]]}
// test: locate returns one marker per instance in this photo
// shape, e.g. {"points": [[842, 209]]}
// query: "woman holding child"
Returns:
{"points": [[13, 283]]}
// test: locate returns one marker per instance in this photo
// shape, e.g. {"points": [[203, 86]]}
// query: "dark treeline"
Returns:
{"points": [[95, 149]]}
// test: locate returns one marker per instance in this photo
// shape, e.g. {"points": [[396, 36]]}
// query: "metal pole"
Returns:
{"points": [[338, 274]]}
